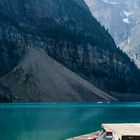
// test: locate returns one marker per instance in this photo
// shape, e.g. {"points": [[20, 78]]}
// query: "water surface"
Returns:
{"points": [[63, 120]]}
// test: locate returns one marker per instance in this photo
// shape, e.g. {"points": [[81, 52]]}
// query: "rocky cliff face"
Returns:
{"points": [[39, 78], [6, 94], [68, 33], [11, 46], [121, 18]]}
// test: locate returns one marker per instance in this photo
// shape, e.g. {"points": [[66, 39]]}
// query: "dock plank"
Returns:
{"points": [[90, 136]]}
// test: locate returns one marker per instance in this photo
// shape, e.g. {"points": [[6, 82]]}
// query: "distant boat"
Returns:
{"points": [[99, 102]]}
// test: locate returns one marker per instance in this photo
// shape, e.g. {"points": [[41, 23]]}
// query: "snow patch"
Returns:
{"points": [[126, 20], [110, 2], [127, 14]]}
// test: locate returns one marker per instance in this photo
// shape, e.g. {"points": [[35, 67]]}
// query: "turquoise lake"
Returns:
{"points": [[63, 120]]}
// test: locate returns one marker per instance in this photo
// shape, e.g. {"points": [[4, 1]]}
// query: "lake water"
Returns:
{"points": [[63, 120]]}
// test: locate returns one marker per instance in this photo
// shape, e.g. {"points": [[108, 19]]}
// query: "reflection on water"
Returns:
{"points": [[60, 121]]}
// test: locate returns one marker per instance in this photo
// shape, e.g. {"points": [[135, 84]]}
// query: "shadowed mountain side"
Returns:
{"points": [[5, 94], [69, 34], [40, 78]]}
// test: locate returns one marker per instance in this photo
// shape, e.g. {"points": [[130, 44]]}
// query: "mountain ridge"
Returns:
{"points": [[122, 21], [68, 33]]}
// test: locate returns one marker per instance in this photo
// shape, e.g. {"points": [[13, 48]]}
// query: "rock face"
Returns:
{"points": [[39, 78], [6, 94], [68, 33], [122, 19], [11, 46]]}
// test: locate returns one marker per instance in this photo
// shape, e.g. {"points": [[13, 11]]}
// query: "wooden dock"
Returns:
{"points": [[124, 131], [91, 136]]}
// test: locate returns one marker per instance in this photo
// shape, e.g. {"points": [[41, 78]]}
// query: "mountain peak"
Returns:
{"points": [[67, 33], [122, 21]]}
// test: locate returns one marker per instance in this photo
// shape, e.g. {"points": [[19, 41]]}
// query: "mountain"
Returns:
{"points": [[122, 19], [39, 78], [68, 33], [5, 94]]}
